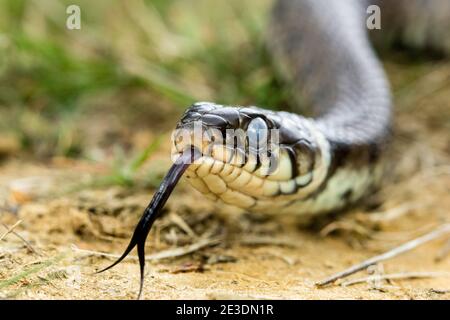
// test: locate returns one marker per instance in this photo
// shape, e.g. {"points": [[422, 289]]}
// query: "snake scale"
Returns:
{"points": [[320, 163]]}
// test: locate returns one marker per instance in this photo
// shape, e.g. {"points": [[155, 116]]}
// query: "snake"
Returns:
{"points": [[286, 162]]}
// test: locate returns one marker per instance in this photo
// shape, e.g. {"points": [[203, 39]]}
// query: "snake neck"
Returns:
{"points": [[323, 50]]}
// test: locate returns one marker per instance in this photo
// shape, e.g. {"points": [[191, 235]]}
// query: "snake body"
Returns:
{"points": [[320, 163]]}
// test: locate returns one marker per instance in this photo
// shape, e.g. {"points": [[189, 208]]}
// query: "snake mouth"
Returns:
{"points": [[154, 209]]}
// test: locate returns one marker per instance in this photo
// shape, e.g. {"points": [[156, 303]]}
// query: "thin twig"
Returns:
{"points": [[395, 212], [10, 229], [289, 260], [344, 225], [439, 291], [171, 253], [182, 224], [394, 276], [28, 244], [445, 229], [267, 240]]}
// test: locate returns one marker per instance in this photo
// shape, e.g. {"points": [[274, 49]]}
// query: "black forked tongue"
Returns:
{"points": [[154, 209]]}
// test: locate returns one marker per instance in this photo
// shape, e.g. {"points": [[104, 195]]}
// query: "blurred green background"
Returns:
{"points": [[134, 64]]}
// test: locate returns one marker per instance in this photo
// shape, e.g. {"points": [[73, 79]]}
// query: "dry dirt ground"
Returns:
{"points": [[52, 241]]}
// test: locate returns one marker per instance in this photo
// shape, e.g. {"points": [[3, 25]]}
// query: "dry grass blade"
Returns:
{"points": [[182, 224], [396, 276], [171, 253], [29, 246], [395, 212], [10, 229], [178, 252], [344, 225], [267, 240], [410, 245]]}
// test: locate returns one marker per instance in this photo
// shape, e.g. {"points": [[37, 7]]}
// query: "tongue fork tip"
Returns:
{"points": [[154, 209]]}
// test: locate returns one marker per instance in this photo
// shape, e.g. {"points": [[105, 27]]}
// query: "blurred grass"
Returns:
{"points": [[123, 172], [178, 51]]}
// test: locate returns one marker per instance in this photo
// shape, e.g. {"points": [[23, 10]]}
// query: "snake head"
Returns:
{"points": [[227, 134], [249, 156]]}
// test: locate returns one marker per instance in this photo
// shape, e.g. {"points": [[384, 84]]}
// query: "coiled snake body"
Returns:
{"points": [[318, 164]]}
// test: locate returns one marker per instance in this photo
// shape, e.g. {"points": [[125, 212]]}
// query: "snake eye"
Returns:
{"points": [[257, 133]]}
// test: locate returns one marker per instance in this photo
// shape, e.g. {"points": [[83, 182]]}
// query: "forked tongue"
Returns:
{"points": [[154, 209]]}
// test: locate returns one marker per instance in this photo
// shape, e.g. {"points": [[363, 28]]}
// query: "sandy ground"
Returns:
{"points": [[57, 238]]}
